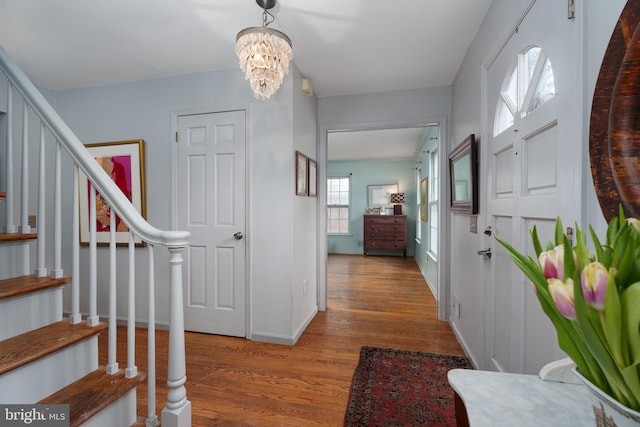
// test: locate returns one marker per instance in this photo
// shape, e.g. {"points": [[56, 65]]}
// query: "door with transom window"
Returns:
{"points": [[530, 159]]}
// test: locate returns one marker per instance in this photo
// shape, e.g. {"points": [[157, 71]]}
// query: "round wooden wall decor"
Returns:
{"points": [[614, 135]]}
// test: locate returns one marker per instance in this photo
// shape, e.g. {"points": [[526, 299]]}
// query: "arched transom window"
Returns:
{"points": [[528, 84]]}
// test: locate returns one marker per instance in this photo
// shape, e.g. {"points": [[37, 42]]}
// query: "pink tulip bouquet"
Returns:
{"points": [[593, 301]]}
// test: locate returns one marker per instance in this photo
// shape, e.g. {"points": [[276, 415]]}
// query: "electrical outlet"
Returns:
{"points": [[32, 221]]}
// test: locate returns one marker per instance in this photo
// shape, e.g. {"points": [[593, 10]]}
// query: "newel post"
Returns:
{"points": [[177, 413]]}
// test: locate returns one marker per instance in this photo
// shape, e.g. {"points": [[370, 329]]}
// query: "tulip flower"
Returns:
{"points": [[635, 223], [562, 294], [594, 279], [552, 263]]}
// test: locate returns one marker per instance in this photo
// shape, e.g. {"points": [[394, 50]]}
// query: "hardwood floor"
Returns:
{"points": [[373, 301]]}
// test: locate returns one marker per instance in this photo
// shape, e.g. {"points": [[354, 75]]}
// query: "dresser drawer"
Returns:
{"points": [[386, 244], [387, 235]]}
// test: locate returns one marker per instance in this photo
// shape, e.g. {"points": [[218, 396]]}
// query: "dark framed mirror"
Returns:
{"points": [[463, 174]]}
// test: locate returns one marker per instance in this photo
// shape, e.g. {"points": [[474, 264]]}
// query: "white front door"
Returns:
{"points": [[532, 156], [211, 205]]}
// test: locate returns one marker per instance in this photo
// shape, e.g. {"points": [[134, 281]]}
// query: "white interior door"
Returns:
{"points": [[532, 163], [211, 205]]}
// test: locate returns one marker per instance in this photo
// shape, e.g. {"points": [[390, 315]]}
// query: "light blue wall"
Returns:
{"points": [[373, 172], [276, 217]]}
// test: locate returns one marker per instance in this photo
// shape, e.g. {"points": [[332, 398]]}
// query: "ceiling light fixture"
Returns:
{"points": [[264, 54]]}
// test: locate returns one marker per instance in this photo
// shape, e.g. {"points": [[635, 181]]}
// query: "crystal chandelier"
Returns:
{"points": [[264, 54]]}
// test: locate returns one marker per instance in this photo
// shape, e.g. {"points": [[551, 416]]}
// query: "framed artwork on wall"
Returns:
{"points": [[123, 161], [302, 185], [380, 195], [313, 178], [463, 174]]}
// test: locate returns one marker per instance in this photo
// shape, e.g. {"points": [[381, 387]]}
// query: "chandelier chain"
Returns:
{"points": [[264, 18]]}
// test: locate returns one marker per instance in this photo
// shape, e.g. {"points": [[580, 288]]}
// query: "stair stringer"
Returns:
{"points": [[40, 378]]}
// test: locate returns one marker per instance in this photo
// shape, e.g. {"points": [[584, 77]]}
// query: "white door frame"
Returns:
{"points": [[174, 192], [443, 227]]}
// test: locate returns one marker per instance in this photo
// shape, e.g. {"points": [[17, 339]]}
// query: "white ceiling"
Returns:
{"points": [[396, 144], [342, 46]]}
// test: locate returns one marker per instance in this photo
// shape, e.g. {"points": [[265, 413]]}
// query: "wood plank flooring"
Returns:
{"points": [[373, 301]]}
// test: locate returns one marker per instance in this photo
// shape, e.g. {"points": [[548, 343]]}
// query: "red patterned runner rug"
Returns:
{"points": [[392, 387]]}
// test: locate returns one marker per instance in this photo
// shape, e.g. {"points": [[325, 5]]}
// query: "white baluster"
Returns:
{"points": [[93, 319], [177, 413], [9, 226], [57, 215], [41, 269], [24, 190], [75, 316], [132, 369], [112, 364], [152, 418]]}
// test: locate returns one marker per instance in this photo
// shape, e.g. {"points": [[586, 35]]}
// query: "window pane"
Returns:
{"points": [[504, 118], [546, 88], [338, 205], [510, 91], [529, 64]]}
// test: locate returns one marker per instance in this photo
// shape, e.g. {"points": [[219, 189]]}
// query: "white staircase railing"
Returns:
{"points": [[22, 93]]}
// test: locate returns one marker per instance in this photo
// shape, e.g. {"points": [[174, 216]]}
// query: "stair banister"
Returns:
{"points": [[78, 152], [177, 413]]}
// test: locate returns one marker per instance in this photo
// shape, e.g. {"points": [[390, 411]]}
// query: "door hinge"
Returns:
{"points": [[571, 9], [570, 234], [176, 136]]}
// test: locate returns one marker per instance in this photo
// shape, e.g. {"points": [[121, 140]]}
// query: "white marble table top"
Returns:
{"points": [[496, 399]]}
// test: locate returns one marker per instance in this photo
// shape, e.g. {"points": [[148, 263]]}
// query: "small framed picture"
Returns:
{"points": [[302, 184], [313, 178]]}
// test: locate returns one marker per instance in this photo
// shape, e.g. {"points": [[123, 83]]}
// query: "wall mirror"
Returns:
{"points": [[463, 173]]}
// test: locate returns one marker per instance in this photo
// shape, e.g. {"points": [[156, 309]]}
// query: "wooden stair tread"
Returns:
{"points": [[16, 286], [3, 194], [16, 237], [92, 393], [25, 348]]}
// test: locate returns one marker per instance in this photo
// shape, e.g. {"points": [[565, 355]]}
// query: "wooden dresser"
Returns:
{"points": [[385, 232]]}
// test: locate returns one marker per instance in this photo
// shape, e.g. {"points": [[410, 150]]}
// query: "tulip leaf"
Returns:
{"points": [[597, 245], [536, 241], [568, 261], [615, 382], [632, 378], [612, 319], [630, 301], [559, 233]]}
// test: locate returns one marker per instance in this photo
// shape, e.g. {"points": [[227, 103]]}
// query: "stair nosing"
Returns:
{"points": [[43, 342], [90, 387], [16, 286], [17, 237]]}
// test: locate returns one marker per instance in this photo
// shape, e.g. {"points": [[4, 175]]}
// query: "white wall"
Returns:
{"points": [[143, 109], [599, 19]]}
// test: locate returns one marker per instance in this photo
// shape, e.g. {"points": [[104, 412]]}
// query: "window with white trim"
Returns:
{"points": [[434, 182], [528, 85], [338, 196]]}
